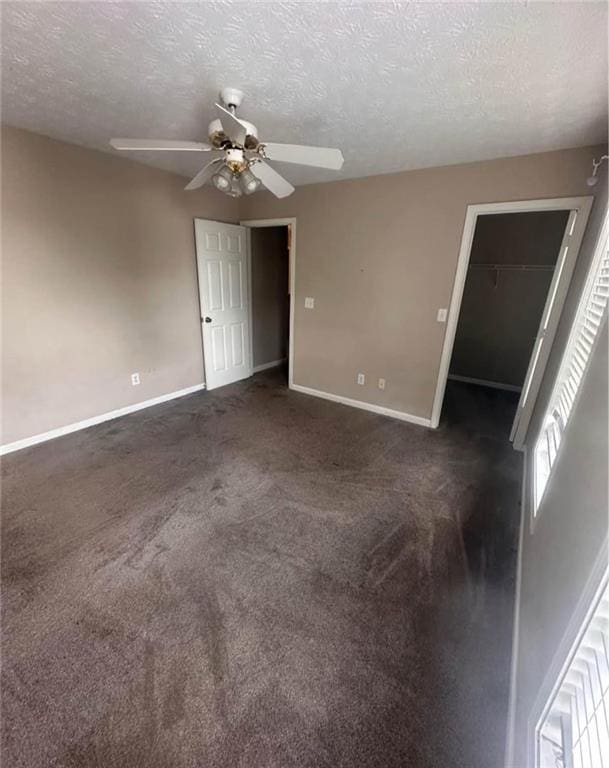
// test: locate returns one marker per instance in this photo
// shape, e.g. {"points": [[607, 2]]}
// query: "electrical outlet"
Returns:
{"points": [[381, 383], [361, 379], [135, 379], [309, 302], [442, 313]]}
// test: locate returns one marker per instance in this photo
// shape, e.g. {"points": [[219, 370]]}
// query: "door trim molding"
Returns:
{"points": [[401, 415], [291, 221], [76, 426], [582, 205]]}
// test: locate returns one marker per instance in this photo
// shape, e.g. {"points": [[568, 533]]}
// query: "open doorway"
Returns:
{"points": [[514, 271], [271, 245], [511, 264]]}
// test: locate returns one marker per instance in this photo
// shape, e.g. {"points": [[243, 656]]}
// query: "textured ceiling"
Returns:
{"points": [[394, 85]]}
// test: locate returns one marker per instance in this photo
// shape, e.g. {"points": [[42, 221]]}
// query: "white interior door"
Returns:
{"points": [[223, 298], [546, 331]]}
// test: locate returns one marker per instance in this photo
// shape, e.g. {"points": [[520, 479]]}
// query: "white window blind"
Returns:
{"points": [[590, 316], [575, 731]]}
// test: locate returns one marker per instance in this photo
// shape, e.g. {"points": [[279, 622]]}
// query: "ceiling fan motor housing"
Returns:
{"points": [[235, 159], [219, 140]]}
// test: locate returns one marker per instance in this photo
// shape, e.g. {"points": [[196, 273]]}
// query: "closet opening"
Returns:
{"points": [[512, 261], [514, 271], [271, 247]]}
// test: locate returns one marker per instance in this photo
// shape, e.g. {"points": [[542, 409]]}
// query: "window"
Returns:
{"points": [[575, 730], [590, 316]]}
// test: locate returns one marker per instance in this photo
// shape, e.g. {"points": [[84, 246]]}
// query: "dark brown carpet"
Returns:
{"points": [[258, 578]]}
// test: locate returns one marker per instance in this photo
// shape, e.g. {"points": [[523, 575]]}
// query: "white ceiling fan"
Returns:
{"points": [[241, 166]]}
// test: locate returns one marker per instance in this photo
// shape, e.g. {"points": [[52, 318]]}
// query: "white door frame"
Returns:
{"points": [[582, 205], [249, 223]]}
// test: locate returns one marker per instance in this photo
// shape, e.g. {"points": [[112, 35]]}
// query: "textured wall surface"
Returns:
{"points": [[396, 86], [379, 256], [99, 281], [270, 297]]}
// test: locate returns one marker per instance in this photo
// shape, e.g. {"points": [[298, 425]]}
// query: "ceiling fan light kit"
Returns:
{"points": [[223, 179], [241, 168], [249, 182]]}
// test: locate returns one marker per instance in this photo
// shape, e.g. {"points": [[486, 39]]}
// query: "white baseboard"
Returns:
{"points": [[76, 426], [401, 415], [273, 364], [485, 383]]}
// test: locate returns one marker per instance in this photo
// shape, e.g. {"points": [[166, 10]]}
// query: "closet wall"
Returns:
{"points": [[270, 298], [511, 267]]}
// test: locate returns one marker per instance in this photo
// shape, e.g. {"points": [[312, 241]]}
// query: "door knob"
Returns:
{"points": [[208, 319]]}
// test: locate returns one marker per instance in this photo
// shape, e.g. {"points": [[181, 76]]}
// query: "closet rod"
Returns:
{"points": [[524, 267]]}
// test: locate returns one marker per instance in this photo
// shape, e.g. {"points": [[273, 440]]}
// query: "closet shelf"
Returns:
{"points": [[523, 267]]}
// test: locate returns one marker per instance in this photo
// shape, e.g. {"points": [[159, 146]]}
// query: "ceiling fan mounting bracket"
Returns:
{"points": [[231, 97]]}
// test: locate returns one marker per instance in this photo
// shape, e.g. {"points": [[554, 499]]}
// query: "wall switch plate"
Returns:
{"points": [[135, 379], [309, 303], [442, 313], [361, 379], [381, 383]]}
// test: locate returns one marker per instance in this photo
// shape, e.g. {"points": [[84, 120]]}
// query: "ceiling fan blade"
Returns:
{"points": [[275, 183], [203, 176], [232, 126], [320, 157], [160, 145]]}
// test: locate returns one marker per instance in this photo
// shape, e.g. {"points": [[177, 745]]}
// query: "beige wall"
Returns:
{"points": [[573, 523], [379, 256], [99, 281], [501, 310], [270, 298]]}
